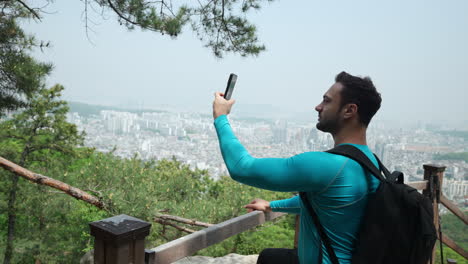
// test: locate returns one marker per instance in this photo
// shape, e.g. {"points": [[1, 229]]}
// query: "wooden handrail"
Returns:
{"points": [[189, 244], [454, 209], [451, 244], [447, 240], [418, 185]]}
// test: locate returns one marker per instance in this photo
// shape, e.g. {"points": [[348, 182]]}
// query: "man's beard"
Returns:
{"points": [[330, 125]]}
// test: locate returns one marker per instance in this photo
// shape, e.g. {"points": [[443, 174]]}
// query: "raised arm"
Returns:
{"points": [[310, 171]]}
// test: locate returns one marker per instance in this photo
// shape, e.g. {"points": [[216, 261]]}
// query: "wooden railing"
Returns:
{"points": [[113, 237], [434, 176], [447, 240], [188, 245]]}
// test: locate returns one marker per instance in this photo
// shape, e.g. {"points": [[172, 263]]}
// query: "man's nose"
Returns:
{"points": [[318, 108]]}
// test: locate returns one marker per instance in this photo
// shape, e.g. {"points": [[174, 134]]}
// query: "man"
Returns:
{"points": [[336, 186]]}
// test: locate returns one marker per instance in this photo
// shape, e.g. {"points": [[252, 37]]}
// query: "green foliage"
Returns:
{"points": [[449, 254], [455, 229], [20, 74], [40, 130], [34, 138], [143, 189], [220, 23], [452, 156]]}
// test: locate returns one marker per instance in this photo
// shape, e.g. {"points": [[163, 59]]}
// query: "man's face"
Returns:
{"points": [[328, 110]]}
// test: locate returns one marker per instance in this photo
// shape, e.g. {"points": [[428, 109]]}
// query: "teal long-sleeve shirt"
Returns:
{"points": [[336, 186]]}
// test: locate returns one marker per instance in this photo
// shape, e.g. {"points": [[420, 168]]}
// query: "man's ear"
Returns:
{"points": [[350, 110]]}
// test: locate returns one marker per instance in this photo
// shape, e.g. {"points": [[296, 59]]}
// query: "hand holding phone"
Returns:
{"points": [[221, 106], [230, 86]]}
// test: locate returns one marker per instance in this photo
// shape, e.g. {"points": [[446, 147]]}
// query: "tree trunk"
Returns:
{"points": [[11, 220], [12, 211], [42, 223]]}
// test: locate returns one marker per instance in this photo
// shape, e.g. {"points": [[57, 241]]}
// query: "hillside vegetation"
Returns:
{"points": [[462, 156]]}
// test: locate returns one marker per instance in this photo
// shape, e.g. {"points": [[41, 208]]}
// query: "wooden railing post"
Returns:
{"points": [[296, 230], [119, 240], [434, 175]]}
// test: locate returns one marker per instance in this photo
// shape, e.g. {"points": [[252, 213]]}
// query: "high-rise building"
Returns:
{"points": [[279, 130]]}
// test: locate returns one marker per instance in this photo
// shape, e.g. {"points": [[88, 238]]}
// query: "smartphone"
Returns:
{"points": [[230, 86]]}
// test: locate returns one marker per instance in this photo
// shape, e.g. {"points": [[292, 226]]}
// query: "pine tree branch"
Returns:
{"points": [[44, 180], [181, 228], [29, 9], [117, 11], [128, 20], [182, 220]]}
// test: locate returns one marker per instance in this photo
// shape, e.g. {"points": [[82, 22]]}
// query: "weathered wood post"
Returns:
{"points": [[296, 231], [434, 175], [119, 240]]}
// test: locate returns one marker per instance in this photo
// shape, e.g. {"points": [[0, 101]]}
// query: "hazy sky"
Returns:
{"points": [[415, 51]]}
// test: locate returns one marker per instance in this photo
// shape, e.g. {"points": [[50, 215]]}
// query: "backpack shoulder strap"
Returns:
{"points": [[357, 155], [321, 231]]}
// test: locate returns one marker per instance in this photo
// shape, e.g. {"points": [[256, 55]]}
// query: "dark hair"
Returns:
{"points": [[362, 92]]}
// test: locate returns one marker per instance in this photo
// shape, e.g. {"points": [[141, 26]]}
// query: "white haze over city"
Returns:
{"points": [[415, 52]]}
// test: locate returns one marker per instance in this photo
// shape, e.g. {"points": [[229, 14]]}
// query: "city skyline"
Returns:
{"points": [[270, 112], [190, 137]]}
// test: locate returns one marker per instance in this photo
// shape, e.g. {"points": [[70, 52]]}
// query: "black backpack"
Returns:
{"points": [[397, 227]]}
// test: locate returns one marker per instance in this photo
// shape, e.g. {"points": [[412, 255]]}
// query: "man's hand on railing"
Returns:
{"points": [[259, 205]]}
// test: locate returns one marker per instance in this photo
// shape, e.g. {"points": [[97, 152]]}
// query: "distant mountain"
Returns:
{"points": [[246, 112], [87, 110], [266, 111]]}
